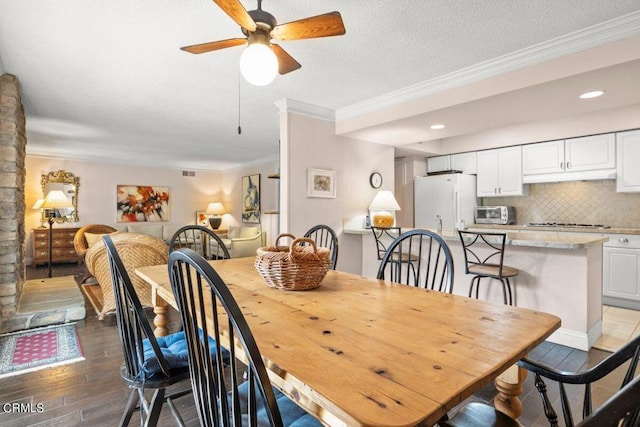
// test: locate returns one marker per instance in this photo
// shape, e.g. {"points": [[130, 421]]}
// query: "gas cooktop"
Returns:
{"points": [[566, 225]]}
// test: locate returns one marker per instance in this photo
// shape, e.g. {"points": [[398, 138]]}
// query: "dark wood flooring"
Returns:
{"points": [[90, 393]]}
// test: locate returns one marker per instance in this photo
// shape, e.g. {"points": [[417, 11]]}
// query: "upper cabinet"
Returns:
{"points": [[500, 172], [464, 162], [439, 163], [545, 157], [628, 172], [589, 157]]}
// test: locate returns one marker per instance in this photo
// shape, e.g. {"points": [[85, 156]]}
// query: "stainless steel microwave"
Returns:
{"points": [[495, 215]]}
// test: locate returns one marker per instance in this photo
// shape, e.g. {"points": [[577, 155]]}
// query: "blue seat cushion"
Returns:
{"points": [[292, 415], [175, 352]]}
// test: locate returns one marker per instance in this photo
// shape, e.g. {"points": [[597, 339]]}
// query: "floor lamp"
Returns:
{"points": [[55, 200]]}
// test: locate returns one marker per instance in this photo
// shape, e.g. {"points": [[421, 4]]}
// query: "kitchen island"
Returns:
{"points": [[560, 273]]}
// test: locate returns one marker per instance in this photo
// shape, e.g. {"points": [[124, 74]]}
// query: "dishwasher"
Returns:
{"points": [[621, 271]]}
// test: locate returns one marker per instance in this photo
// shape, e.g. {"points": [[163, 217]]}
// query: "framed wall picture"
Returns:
{"points": [[321, 183], [251, 199], [142, 203], [202, 219]]}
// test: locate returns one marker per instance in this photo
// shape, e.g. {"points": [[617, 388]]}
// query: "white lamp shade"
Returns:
{"points": [[38, 204], [55, 200], [258, 64], [215, 208], [384, 200]]}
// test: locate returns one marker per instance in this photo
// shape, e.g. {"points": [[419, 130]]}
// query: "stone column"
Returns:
{"points": [[12, 183]]}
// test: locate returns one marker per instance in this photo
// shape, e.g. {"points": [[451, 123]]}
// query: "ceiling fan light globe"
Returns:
{"points": [[258, 64]]}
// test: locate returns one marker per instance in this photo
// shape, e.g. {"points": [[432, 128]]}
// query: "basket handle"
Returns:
{"points": [[293, 252], [283, 235]]}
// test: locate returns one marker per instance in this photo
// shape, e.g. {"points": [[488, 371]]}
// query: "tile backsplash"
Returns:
{"points": [[586, 202]]}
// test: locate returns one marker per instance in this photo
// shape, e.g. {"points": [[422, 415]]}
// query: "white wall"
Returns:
{"points": [[308, 142], [406, 168], [188, 194], [587, 124]]}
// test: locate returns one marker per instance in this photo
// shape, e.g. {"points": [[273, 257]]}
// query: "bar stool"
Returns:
{"points": [[385, 236], [490, 266]]}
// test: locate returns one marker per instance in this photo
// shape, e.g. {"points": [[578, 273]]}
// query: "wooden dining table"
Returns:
{"points": [[358, 351]]}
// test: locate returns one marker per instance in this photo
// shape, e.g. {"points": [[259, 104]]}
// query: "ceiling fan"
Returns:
{"points": [[259, 27]]}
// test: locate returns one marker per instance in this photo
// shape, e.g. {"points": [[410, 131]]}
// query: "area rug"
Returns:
{"points": [[34, 349]]}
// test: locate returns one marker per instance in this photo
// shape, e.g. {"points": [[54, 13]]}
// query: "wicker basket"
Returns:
{"points": [[293, 268]]}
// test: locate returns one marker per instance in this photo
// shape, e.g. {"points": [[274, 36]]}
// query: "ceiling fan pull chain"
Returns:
{"points": [[239, 127]]}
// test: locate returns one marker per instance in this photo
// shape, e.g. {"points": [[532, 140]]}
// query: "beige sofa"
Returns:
{"points": [[158, 230]]}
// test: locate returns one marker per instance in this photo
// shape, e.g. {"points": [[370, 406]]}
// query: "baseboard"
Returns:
{"points": [[578, 340]]}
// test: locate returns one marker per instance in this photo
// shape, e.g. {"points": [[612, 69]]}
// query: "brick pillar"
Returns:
{"points": [[12, 179]]}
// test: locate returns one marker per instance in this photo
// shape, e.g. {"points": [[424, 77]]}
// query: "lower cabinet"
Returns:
{"points": [[62, 247], [621, 268]]}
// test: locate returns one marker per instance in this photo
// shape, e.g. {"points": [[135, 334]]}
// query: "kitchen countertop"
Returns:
{"points": [[612, 230], [522, 238]]}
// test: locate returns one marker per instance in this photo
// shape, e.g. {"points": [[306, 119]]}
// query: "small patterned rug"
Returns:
{"points": [[34, 349]]}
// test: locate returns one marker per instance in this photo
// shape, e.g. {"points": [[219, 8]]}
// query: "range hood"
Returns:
{"points": [[571, 176]]}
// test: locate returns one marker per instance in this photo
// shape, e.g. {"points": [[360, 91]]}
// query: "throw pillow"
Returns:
{"points": [[248, 232], [233, 232], [92, 238]]}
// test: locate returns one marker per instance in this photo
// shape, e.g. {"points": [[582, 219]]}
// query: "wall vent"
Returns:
{"points": [[188, 173]]}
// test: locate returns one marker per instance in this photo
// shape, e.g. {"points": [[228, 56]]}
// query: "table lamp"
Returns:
{"points": [[38, 205], [383, 209], [216, 210], [55, 200]]}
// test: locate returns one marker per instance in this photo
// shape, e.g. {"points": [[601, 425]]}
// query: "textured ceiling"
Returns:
{"points": [[105, 79]]}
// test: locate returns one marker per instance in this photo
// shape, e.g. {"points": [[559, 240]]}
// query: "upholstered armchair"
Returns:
{"points": [[243, 241], [135, 250], [85, 237]]}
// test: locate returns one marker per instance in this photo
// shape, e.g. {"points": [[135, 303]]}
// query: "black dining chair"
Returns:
{"points": [[220, 397], [620, 410], [484, 258], [326, 237], [150, 363], [629, 352], [418, 258], [202, 240]]}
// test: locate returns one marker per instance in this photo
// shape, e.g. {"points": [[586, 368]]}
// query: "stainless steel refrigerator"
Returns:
{"points": [[452, 197]]}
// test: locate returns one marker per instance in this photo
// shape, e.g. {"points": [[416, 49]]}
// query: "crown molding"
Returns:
{"points": [[597, 35], [288, 105]]}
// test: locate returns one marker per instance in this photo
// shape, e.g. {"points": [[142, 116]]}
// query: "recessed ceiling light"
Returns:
{"points": [[593, 94], [436, 127]]}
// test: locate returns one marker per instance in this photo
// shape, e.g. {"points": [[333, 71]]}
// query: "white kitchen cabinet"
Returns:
{"points": [[465, 162], [439, 163], [628, 159], [500, 172], [545, 157], [590, 153], [589, 157], [621, 267]]}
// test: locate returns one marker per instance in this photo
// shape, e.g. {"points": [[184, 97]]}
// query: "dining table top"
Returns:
{"points": [[359, 351]]}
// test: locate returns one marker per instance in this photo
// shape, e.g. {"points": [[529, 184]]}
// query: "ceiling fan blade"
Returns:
{"points": [[211, 46], [286, 63], [328, 24], [238, 13]]}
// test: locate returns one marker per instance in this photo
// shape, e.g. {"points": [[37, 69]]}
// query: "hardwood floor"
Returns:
{"points": [[90, 393]]}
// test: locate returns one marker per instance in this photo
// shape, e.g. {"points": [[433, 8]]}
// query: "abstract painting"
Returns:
{"points": [[251, 199], [142, 203]]}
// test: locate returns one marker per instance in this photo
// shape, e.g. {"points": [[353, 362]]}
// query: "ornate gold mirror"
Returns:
{"points": [[68, 183]]}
